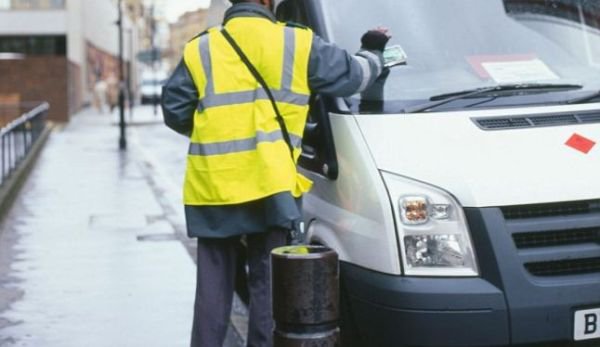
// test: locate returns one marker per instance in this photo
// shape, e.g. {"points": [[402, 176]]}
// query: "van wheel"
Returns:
{"points": [[348, 330]]}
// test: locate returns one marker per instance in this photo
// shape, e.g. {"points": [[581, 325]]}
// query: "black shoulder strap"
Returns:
{"points": [[296, 25], [261, 81], [198, 35]]}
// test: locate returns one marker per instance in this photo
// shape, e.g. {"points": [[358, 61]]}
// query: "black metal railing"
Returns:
{"points": [[18, 136]]}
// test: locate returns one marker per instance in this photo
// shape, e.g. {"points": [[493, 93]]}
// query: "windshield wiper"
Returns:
{"points": [[585, 98], [438, 100]]}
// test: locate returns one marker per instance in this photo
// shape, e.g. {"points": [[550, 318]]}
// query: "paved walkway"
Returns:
{"points": [[90, 254]]}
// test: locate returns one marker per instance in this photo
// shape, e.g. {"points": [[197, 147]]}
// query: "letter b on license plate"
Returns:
{"points": [[587, 324]]}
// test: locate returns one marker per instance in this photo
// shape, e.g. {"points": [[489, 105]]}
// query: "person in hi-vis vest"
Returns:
{"points": [[241, 177]]}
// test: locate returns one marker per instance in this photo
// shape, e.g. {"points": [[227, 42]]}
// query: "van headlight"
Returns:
{"points": [[432, 229]]}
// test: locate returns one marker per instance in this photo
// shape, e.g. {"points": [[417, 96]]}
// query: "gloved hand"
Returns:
{"points": [[375, 40]]}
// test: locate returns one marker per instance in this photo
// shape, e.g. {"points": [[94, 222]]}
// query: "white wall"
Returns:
{"points": [[31, 22], [75, 40], [93, 21], [99, 17], [81, 21]]}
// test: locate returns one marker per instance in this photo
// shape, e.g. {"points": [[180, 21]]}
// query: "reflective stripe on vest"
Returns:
{"points": [[237, 152], [251, 96], [220, 148]]}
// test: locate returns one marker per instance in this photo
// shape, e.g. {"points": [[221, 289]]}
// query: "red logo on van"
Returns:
{"points": [[581, 143]]}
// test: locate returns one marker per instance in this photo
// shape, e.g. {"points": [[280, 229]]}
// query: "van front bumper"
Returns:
{"points": [[507, 306], [397, 311]]}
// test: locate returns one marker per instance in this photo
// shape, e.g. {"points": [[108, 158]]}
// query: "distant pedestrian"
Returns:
{"points": [[100, 89], [241, 174], [112, 92]]}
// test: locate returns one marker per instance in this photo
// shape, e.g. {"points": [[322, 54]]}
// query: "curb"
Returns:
{"points": [[11, 188]]}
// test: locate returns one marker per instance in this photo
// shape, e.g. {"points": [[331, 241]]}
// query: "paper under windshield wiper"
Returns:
{"points": [[438, 100]]}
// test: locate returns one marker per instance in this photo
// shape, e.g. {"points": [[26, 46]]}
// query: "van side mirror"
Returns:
{"points": [[318, 148], [311, 132], [285, 11]]}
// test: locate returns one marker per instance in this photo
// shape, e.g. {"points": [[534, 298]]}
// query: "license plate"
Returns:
{"points": [[587, 324]]}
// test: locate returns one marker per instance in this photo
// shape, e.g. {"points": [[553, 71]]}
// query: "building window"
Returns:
{"points": [[34, 45], [32, 4]]}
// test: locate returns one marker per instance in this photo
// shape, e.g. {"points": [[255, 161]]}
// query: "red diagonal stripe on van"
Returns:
{"points": [[580, 143]]}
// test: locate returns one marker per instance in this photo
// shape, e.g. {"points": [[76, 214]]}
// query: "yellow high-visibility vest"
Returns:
{"points": [[237, 151]]}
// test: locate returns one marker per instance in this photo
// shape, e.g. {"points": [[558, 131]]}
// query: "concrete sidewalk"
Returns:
{"points": [[89, 254]]}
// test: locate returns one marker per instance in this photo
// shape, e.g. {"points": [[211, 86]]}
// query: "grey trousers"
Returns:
{"points": [[215, 281]]}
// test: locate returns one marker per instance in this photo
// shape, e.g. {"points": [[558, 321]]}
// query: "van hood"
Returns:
{"points": [[483, 168]]}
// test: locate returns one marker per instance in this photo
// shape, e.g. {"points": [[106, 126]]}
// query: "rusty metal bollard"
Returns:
{"points": [[305, 282]]}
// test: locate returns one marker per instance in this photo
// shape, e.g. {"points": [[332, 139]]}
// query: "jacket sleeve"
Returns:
{"points": [[179, 100], [331, 70]]}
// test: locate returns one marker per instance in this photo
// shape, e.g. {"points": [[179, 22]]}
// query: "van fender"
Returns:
{"points": [[320, 234]]}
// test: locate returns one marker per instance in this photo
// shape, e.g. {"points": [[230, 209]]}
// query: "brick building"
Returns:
{"points": [[55, 50], [185, 28]]}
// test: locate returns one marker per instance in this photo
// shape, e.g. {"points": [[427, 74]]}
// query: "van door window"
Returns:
{"points": [[292, 11], [318, 150]]}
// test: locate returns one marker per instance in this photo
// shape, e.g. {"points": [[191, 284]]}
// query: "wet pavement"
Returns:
{"points": [[93, 251]]}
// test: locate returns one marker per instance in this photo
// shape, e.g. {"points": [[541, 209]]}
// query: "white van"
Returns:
{"points": [[151, 86], [462, 192]]}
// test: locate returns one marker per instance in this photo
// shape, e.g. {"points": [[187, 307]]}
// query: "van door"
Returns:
{"points": [[318, 149]]}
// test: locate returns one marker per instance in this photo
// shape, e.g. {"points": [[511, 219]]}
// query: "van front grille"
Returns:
{"points": [[557, 238], [590, 118], [503, 123], [519, 122], [551, 210], [564, 267], [554, 120]]}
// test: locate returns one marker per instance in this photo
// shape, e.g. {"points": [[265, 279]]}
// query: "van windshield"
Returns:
{"points": [[458, 45]]}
